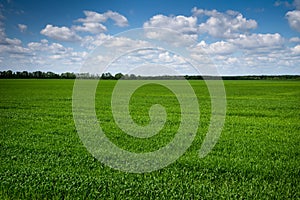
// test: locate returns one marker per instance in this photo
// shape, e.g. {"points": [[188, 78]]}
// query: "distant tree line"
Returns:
{"points": [[252, 77], [9, 74]]}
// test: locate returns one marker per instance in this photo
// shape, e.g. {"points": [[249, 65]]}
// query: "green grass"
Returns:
{"points": [[256, 157]]}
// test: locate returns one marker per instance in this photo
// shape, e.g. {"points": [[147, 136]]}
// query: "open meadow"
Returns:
{"points": [[256, 157]]}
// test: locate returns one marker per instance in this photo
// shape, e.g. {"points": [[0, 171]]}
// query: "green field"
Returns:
{"points": [[256, 157]]}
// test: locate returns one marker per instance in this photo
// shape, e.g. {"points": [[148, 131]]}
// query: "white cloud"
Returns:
{"points": [[250, 43], [55, 56], [8, 46], [38, 46], [119, 20], [255, 41], [293, 16], [151, 62], [296, 49], [185, 26], [12, 46], [108, 41], [294, 19], [124, 43], [47, 48], [294, 39], [60, 33], [171, 37], [44, 55], [15, 42], [220, 48], [94, 17], [250, 54], [91, 42], [165, 57], [277, 62], [90, 27], [14, 50], [93, 21], [224, 25], [22, 27]]}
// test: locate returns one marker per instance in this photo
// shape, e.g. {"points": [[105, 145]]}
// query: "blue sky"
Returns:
{"points": [[241, 37]]}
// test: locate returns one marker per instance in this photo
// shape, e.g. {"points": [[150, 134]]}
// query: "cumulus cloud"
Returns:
{"points": [[55, 55], [121, 43], [60, 33], [38, 45], [231, 43], [112, 43], [93, 21], [95, 17], [250, 43], [91, 42], [56, 51], [13, 47], [8, 41], [296, 49], [255, 41], [92, 17], [294, 39], [224, 25], [151, 62], [91, 27], [22, 27], [220, 47], [294, 19], [293, 16], [119, 20], [250, 54], [185, 26]]}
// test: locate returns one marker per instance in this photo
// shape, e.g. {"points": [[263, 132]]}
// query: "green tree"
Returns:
{"points": [[118, 76]]}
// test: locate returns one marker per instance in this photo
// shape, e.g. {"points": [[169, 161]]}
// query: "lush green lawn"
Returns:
{"points": [[256, 157]]}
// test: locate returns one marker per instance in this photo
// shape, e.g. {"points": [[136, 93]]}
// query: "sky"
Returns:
{"points": [[240, 37]]}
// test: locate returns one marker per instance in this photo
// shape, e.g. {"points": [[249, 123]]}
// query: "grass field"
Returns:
{"points": [[256, 157]]}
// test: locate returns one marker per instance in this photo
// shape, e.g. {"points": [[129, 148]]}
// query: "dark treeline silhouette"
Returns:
{"points": [[9, 74], [37, 74]]}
